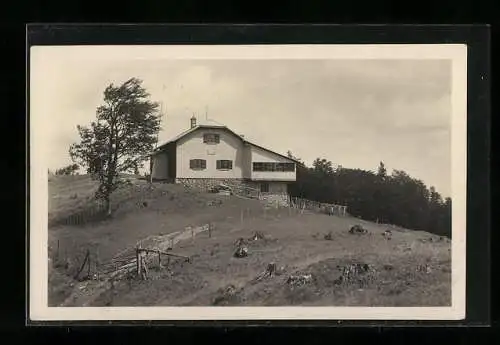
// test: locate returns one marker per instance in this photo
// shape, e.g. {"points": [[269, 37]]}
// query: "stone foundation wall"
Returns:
{"points": [[275, 200], [241, 187], [206, 184]]}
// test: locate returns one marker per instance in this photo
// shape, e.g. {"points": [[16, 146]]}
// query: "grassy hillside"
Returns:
{"points": [[411, 269]]}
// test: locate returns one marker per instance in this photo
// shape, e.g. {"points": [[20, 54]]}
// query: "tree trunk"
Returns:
{"points": [[107, 202], [151, 169]]}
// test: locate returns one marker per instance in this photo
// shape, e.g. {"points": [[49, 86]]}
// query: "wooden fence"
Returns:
{"points": [[89, 214], [315, 206], [94, 210], [285, 200], [246, 192], [148, 251]]}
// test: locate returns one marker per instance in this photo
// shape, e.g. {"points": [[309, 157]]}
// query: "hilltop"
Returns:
{"points": [[310, 252]]}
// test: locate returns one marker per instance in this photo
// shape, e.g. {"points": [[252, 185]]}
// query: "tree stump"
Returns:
{"points": [[271, 269], [328, 236]]}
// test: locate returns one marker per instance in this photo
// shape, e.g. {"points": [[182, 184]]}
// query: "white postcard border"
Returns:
{"points": [[38, 288]]}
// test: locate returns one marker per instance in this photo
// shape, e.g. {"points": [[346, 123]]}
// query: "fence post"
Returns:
{"points": [[159, 258], [97, 263], [138, 263], [144, 267], [83, 264], [112, 294], [88, 266]]}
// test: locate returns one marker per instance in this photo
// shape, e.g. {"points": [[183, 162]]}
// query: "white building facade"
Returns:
{"points": [[206, 155]]}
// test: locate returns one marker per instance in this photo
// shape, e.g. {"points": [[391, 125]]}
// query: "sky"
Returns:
{"points": [[355, 113]]}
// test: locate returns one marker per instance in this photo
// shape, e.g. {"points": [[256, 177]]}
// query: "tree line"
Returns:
{"points": [[71, 169], [395, 199]]}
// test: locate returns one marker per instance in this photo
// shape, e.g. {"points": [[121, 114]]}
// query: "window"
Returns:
{"points": [[210, 138], [283, 167], [224, 164], [287, 167], [198, 164]]}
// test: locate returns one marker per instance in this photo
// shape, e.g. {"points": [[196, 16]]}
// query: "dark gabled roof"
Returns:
{"points": [[191, 130]]}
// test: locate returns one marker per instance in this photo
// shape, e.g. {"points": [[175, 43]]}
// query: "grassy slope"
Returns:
{"points": [[294, 242], [170, 208]]}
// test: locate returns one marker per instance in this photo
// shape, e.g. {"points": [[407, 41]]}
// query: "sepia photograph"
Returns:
{"points": [[247, 182]]}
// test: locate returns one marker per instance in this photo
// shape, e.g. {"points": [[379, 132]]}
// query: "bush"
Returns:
{"points": [[68, 170]]}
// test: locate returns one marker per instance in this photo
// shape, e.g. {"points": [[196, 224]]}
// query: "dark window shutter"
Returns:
{"points": [[198, 164], [224, 164]]}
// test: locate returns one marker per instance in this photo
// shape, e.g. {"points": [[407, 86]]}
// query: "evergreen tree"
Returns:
{"points": [[397, 199]]}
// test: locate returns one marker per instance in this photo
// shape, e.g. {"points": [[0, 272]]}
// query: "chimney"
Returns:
{"points": [[242, 135], [193, 122]]}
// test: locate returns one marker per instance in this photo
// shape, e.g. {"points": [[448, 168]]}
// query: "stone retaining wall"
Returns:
{"points": [[206, 184], [240, 187], [276, 200]]}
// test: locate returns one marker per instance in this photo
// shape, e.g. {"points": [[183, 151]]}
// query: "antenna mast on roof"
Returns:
{"points": [[208, 119], [158, 133]]}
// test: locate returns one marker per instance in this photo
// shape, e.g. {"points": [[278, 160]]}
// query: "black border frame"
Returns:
{"points": [[477, 38]]}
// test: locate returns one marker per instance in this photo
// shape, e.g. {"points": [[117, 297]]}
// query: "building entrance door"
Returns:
{"points": [[264, 187]]}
